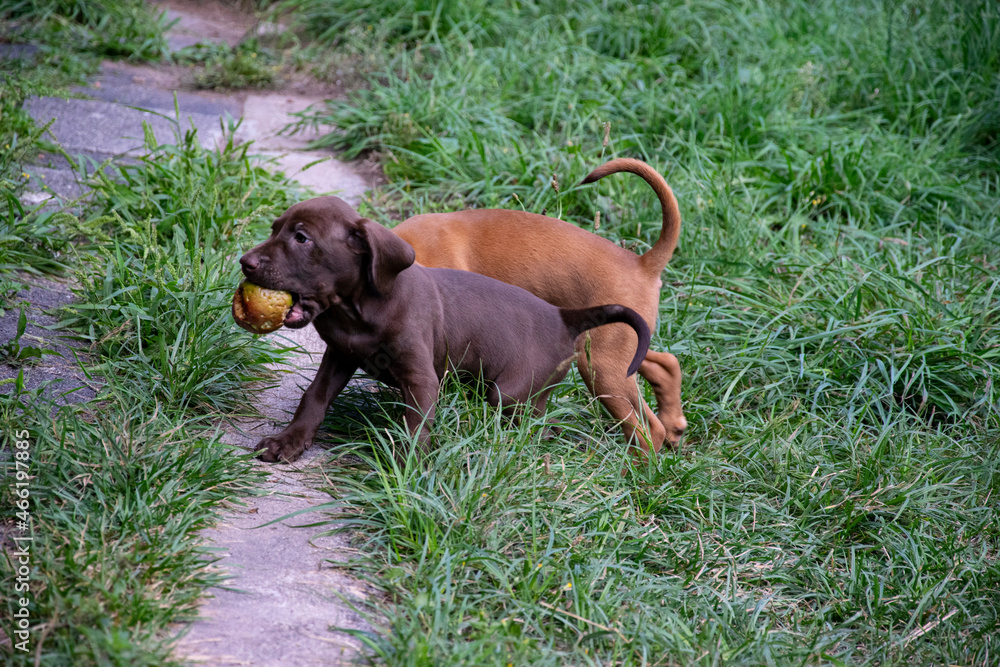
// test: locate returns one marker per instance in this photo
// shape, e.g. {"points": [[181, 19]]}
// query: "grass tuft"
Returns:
{"points": [[108, 28], [154, 305]]}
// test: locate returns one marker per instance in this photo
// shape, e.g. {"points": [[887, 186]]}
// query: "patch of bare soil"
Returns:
{"points": [[207, 21]]}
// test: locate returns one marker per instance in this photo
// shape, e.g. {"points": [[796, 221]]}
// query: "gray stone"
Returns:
{"points": [[201, 23], [265, 118], [18, 51], [67, 382], [177, 42], [266, 30], [46, 182], [122, 88], [285, 599], [105, 128], [322, 174]]}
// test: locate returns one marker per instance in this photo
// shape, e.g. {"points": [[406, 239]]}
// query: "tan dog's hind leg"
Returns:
{"points": [[663, 373], [603, 370]]}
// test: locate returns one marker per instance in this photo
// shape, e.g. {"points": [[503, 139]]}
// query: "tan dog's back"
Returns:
{"points": [[557, 261]]}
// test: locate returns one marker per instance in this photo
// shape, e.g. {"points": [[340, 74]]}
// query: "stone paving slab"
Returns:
{"points": [[109, 129], [283, 602], [18, 51], [265, 116], [204, 23], [128, 88], [327, 177], [47, 182], [69, 383]]}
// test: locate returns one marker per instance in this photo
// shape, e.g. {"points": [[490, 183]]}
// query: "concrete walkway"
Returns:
{"points": [[287, 594], [285, 598], [126, 96]]}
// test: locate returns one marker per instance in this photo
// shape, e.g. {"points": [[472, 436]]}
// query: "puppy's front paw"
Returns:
{"points": [[284, 447]]}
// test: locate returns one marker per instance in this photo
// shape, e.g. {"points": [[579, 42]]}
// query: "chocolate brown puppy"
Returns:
{"points": [[407, 324], [572, 268]]}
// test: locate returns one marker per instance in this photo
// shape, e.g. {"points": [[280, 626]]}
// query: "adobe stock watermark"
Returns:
{"points": [[20, 557]]}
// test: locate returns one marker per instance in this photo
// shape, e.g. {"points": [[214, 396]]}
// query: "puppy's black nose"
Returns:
{"points": [[249, 261]]}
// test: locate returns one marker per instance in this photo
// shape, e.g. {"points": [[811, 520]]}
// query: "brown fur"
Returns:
{"points": [[573, 268], [406, 324]]}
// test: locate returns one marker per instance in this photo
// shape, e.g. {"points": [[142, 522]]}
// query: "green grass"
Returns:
{"points": [[70, 38], [788, 541], [31, 240], [249, 64], [833, 302], [154, 304], [104, 28], [117, 493]]}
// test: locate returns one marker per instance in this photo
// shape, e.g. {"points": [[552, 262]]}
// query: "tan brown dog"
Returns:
{"points": [[406, 324], [573, 268]]}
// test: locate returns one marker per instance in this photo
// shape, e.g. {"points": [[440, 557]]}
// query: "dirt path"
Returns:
{"points": [[284, 598]]}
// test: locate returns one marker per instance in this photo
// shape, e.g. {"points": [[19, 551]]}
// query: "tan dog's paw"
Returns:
{"points": [[666, 432], [281, 447], [675, 430]]}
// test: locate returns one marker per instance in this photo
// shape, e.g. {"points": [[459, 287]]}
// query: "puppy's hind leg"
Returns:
{"points": [[507, 392], [663, 373], [621, 398], [502, 391], [604, 372]]}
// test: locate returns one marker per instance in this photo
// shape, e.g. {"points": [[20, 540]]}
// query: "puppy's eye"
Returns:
{"points": [[301, 238]]}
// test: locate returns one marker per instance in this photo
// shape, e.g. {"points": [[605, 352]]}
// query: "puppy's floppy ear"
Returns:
{"points": [[388, 254]]}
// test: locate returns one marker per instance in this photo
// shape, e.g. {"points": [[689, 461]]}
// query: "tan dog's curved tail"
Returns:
{"points": [[661, 252]]}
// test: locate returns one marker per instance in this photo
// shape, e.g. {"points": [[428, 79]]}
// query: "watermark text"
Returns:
{"points": [[20, 557]]}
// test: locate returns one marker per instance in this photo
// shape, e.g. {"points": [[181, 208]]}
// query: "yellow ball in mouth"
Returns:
{"points": [[260, 310]]}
